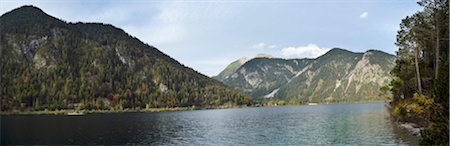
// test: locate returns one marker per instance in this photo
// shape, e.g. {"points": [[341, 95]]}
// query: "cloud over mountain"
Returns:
{"points": [[308, 51]]}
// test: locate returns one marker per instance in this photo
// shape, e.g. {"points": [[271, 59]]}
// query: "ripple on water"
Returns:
{"points": [[361, 123]]}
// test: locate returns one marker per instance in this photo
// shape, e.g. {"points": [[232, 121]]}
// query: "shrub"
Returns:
{"points": [[414, 109]]}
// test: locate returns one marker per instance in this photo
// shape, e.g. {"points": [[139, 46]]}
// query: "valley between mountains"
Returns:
{"points": [[48, 64]]}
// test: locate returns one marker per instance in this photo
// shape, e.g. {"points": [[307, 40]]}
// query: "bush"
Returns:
{"points": [[437, 135], [414, 109]]}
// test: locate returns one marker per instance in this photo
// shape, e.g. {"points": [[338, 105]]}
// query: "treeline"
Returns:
{"points": [[53, 65], [420, 86]]}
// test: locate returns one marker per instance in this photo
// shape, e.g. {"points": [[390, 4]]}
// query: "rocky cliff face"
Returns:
{"points": [[338, 75], [260, 76]]}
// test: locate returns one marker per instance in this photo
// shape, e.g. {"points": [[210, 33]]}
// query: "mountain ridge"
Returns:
{"points": [[312, 81], [233, 66]]}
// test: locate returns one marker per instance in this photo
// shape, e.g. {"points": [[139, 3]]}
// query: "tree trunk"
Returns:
{"points": [[436, 63], [416, 60]]}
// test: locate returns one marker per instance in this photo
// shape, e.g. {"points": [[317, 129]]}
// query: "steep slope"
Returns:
{"points": [[230, 69], [341, 75], [260, 76], [338, 75], [233, 66], [47, 63]]}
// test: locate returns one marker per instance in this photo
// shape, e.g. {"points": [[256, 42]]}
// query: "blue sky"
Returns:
{"points": [[207, 35]]}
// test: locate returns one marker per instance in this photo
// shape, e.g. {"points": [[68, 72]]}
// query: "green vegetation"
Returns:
{"points": [[49, 65], [281, 102], [89, 111], [276, 102], [65, 111], [420, 87]]}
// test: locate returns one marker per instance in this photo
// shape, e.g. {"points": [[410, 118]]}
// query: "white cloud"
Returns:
{"points": [[262, 46], [364, 15], [309, 51]]}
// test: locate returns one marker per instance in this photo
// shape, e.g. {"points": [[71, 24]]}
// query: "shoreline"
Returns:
{"points": [[66, 111], [84, 112], [412, 128], [152, 110]]}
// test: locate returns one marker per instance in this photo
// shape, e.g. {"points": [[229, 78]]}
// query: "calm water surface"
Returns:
{"points": [[360, 123]]}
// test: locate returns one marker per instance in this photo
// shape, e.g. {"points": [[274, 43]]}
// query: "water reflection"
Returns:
{"points": [[290, 125]]}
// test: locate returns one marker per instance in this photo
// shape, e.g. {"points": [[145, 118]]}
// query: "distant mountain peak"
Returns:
{"points": [[27, 11], [232, 67], [28, 8], [378, 51], [29, 19], [340, 50], [242, 60], [262, 55]]}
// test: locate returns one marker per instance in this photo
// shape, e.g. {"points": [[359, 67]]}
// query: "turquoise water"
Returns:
{"points": [[359, 123]]}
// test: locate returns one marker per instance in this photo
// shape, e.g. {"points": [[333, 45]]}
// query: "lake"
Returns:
{"points": [[358, 123]]}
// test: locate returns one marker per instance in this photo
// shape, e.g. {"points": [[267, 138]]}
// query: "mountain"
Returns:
{"points": [[231, 68], [47, 63], [339, 75], [260, 76]]}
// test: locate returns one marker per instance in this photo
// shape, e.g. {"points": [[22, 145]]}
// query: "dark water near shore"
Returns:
{"points": [[359, 123]]}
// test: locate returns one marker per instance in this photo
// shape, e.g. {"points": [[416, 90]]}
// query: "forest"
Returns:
{"points": [[48, 64], [420, 85]]}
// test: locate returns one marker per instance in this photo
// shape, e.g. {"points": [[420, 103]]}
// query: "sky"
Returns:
{"points": [[207, 35]]}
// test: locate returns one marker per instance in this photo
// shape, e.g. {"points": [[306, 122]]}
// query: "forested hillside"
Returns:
{"points": [[48, 64], [420, 86]]}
